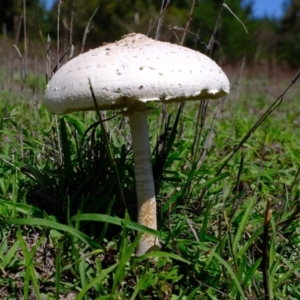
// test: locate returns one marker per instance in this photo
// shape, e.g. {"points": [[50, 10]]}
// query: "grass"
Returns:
{"points": [[229, 229]]}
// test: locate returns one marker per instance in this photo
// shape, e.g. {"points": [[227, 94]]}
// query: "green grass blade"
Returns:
{"points": [[40, 178], [21, 207], [225, 264], [96, 280], [242, 225], [54, 225], [120, 272], [82, 272], [57, 272], [105, 225], [160, 254], [231, 273], [250, 241], [118, 221], [204, 225], [10, 255], [29, 272], [140, 284], [249, 274], [65, 144]]}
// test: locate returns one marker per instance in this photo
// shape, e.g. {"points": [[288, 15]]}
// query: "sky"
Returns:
{"points": [[270, 8]]}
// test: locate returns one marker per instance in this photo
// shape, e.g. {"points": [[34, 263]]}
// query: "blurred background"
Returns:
{"points": [[272, 41]]}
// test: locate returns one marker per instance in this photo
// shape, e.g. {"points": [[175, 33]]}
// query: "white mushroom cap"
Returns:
{"points": [[136, 68]]}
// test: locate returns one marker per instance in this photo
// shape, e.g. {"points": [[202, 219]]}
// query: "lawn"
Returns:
{"points": [[227, 182]]}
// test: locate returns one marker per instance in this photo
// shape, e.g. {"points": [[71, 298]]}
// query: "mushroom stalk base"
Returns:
{"points": [[144, 180]]}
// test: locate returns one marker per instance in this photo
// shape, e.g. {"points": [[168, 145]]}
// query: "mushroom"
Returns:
{"points": [[125, 76]]}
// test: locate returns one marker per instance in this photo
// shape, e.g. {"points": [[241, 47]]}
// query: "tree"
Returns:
{"points": [[289, 32], [9, 12], [112, 20], [12, 16], [231, 42], [291, 18]]}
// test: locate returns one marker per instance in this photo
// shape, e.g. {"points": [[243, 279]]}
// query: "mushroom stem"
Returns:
{"points": [[145, 190]]}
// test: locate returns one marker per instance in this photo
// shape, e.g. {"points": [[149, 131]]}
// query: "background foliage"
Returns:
{"points": [[269, 41]]}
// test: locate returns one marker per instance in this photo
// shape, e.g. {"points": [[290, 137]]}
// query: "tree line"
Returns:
{"points": [[228, 32]]}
